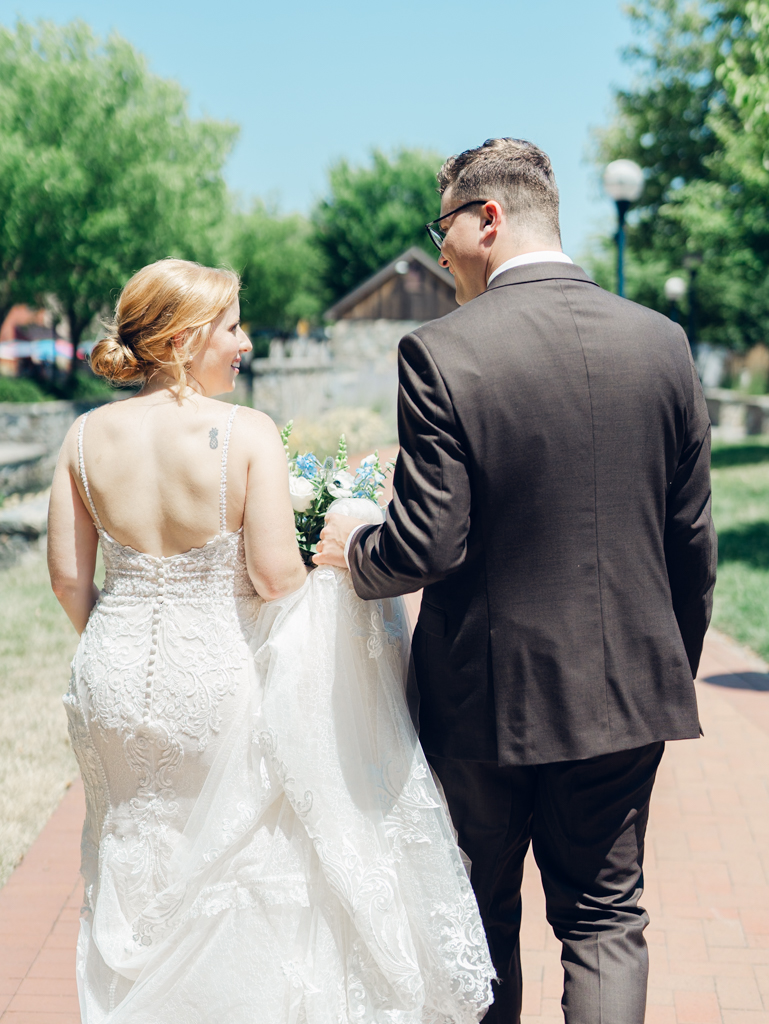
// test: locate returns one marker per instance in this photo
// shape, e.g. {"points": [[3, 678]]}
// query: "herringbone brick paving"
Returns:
{"points": [[707, 880]]}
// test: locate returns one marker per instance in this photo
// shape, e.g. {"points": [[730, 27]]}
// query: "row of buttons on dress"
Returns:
{"points": [[156, 610]]}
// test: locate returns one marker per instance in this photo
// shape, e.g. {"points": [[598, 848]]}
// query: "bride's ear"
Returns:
{"points": [[178, 340]]}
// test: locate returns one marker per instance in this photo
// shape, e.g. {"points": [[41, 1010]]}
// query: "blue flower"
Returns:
{"points": [[308, 466], [369, 476], [368, 480]]}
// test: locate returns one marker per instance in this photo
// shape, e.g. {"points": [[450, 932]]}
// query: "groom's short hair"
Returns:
{"points": [[516, 173]]}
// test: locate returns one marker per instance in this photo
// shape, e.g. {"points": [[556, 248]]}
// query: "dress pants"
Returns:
{"points": [[586, 821]]}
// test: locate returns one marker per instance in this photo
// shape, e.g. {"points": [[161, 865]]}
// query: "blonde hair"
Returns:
{"points": [[160, 302]]}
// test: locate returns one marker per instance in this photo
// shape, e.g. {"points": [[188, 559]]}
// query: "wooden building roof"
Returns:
{"points": [[411, 287]]}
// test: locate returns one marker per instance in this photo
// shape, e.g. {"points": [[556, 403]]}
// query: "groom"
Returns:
{"points": [[552, 497]]}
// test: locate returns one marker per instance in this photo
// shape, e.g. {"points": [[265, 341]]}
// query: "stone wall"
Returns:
{"points": [[31, 435], [735, 415], [356, 367]]}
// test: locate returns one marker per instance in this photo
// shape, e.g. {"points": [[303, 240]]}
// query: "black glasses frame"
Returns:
{"points": [[437, 234]]}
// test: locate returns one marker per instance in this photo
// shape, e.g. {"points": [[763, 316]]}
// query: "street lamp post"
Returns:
{"points": [[693, 262], [675, 289], [623, 181]]}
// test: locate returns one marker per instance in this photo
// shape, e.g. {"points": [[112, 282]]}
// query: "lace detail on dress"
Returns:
{"points": [[97, 795], [171, 602], [215, 571], [368, 621]]}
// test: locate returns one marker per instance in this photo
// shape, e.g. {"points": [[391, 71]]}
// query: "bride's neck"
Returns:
{"points": [[163, 383]]}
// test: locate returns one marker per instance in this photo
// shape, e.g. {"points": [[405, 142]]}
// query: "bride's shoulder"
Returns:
{"points": [[254, 420], [70, 452], [245, 412], [256, 436]]}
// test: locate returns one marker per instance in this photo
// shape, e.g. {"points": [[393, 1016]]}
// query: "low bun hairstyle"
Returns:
{"points": [[161, 302], [112, 359]]}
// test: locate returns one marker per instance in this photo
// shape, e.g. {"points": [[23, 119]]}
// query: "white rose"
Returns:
{"points": [[342, 484], [302, 493]]}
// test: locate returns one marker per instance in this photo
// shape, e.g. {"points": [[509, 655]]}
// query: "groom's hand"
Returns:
{"points": [[333, 539]]}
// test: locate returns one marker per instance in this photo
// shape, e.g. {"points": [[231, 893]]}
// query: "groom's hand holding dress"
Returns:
{"points": [[552, 497], [334, 538]]}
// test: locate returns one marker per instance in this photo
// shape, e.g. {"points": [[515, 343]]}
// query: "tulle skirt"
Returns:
{"points": [[317, 879]]}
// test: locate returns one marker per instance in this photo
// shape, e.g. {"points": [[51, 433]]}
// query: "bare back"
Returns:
{"points": [[155, 471]]}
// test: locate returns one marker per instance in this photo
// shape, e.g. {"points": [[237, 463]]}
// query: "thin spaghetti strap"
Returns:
{"points": [[223, 490], [83, 477]]}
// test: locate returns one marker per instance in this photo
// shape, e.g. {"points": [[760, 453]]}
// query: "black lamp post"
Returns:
{"points": [[693, 262], [623, 181]]}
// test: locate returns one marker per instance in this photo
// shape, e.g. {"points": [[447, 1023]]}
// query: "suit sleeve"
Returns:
{"points": [[424, 537], [691, 548]]}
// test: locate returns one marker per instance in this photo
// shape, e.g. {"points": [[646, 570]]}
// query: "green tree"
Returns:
{"points": [[696, 121], [373, 213], [280, 268], [21, 184], [121, 175]]}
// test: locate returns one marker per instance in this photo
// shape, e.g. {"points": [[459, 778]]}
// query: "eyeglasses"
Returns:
{"points": [[436, 232]]}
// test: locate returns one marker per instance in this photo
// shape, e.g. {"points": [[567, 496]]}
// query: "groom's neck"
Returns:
{"points": [[509, 248]]}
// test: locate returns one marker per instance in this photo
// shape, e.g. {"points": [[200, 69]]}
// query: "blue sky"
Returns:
{"points": [[309, 82]]}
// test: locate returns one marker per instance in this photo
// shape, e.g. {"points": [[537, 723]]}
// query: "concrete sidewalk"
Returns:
{"points": [[707, 880]]}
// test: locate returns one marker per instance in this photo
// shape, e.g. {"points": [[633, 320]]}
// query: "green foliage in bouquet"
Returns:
{"points": [[314, 485]]}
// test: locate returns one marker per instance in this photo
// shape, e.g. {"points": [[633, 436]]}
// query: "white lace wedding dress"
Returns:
{"points": [[264, 842]]}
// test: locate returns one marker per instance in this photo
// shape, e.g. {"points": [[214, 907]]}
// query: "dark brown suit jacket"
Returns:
{"points": [[552, 496]]}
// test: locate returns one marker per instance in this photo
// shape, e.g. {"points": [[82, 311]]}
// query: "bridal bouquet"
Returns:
{"points": [[316, 485]]}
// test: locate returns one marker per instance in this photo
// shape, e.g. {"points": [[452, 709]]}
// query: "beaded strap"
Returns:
{"points": [[83, 477], [223, 489]]}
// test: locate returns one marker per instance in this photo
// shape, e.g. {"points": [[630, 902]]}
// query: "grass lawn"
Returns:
{"points": [[741, 515], [36, 761]]}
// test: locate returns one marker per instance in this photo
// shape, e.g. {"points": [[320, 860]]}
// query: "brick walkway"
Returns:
{"points": [[39, 912], [707, 865], [707, 880]]}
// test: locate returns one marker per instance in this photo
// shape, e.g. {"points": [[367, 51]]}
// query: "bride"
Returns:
{"points": [[264, 842]]}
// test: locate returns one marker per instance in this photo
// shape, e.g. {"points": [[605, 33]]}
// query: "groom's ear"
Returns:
{"points": [[492, 217]]}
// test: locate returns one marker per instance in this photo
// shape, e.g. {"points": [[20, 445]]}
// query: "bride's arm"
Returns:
{"points": [[272, 553], [72, 540]]}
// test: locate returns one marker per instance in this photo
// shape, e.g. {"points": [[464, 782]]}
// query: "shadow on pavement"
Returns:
{"points": [[741, 681]]}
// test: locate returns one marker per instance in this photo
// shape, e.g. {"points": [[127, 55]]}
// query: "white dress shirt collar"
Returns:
{"points": [[544, 256]]}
